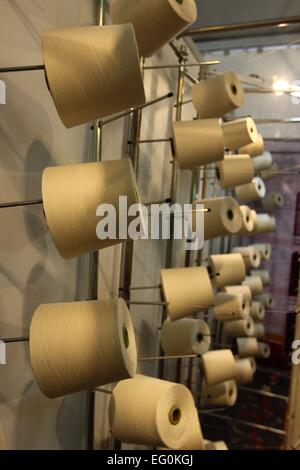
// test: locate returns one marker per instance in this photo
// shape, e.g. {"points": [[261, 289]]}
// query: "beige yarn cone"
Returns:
{"points": [[71, 195], [92, 71], [155, 22], [75, 346]]}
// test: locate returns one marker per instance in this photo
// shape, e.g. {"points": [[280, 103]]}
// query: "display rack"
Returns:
{"points": [[199, 186]]}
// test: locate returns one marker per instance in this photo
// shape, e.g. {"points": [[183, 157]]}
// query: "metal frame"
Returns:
{"points": [[279, 23]]}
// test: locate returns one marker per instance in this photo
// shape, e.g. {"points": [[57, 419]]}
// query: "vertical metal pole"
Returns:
{"points": [[174, 183], [94, 257], [135, 126]]}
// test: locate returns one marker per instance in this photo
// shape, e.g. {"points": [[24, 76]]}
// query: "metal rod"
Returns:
{"points": [[150, 141], [176, 66], [24, 68], [142, 288], [138, 108], [35, 202], [15, 340], [166, 201], [279, 23], [269, 90], [184, 102], [281, 139], [94, 257], [168, 358], [159, 304], [263, 393], [295, 120], [285, 152], [250, 425], [191, 78]]}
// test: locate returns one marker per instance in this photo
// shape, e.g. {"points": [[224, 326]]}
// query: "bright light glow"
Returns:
{"points": [[280, 86], [283, 25]]}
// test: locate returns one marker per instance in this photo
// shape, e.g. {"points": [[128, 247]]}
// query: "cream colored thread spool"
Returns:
{"points": [[271, 173], [265, 250], [250, 254], [187, 291], [236, 328], [245, 291], [238, 133], [92, 71], [71, 195], [248, 220], [247, 347], [259, 330], [264, 350], [195, 440], [222, 394], [78, 345], [217, 445], [255, 148], [218, 366], [257, 310], [254, 216], [185, 336], [198, 142], [2, 439], [264, 223], [155, 22], [227, 269], [231, 307], [224, 217], [152, 412], [262, 162], [263, 274], [255, 284], [218, 96], [251, 191], [273, 201], [234, 170], [244, 371]]}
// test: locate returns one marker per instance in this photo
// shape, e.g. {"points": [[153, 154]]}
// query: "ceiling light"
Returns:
{"points": [[280, 86]]}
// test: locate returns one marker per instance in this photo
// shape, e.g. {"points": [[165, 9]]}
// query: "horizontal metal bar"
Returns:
{"points": [[213, 410], [278, 22], [149, 141], [142, 288], [183, 103], [4, 205], [15, 340], [281, 139], [285, 152], [159, 304], [168, 358], [177, 66], [24, 68], [104, 122], [295, 120], [250, 425], [263, 393], [268, 90]]}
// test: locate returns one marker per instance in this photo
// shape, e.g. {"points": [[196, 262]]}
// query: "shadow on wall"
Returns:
{"points": [[25, 116], [70, 425]]}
